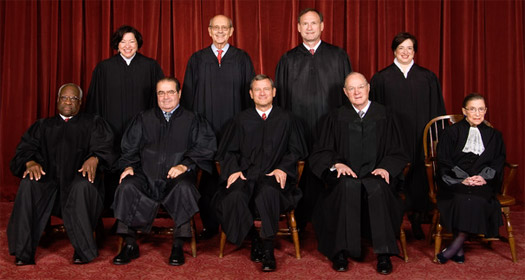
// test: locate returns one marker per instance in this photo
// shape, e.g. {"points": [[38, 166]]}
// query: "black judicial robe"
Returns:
{"points": [[60, 148], [363, 145], [218, 92], [118, 92], [152, 145], [312, 85], [463, 208], [257, 147], [414, 101]]}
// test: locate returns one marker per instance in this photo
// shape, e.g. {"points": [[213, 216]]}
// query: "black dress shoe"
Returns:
{"points": [[268, 261], [207, 233], [339, 262], [77, 259], [20, 262], [441, 258], [458, 259], [256, 253], [127, 253], [384, 265], [177, 256]]}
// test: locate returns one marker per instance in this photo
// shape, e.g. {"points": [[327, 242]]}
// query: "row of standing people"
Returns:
{"points": [[308, 80]]}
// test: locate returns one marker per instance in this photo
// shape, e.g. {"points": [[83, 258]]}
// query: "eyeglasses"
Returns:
{"points": [[73, 99], [169, 93], [473, 110], [220, 28], [360, 87]]}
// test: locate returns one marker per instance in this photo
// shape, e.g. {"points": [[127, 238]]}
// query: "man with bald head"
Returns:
{"points": [[59, 159], [358, 157], [216, 85]]}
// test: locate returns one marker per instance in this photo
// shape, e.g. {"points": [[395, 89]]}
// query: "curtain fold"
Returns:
{"points": [[472, 46]]}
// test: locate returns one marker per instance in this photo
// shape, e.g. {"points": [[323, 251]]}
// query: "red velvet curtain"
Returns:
{"points": [[473, 46]]}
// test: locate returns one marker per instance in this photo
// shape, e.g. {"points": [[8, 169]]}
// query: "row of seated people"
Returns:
{"points": [[358, 157]]}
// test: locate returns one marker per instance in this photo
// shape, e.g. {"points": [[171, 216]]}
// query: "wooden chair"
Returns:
{"points": [[430, 141], [290, 230]]}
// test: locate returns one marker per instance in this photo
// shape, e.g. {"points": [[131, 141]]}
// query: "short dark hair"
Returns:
{"points": [[309, 10], [401, 37], [472, 96], [261, 77], [117, 36], [171, 79]]}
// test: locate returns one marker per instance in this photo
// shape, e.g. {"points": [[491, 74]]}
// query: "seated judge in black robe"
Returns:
{"points": [[359, 159], [258, 156], [121, 87], [161, 151], [217, 87], [413, 94], [470, 157], [309, 80], [59, 159]]}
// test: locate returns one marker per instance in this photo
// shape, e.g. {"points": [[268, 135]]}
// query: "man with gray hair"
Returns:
{"points": [[216, 85], [59, 159]]}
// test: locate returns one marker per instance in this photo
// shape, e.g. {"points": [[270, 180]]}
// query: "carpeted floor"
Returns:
{"points": [[54, 260]]}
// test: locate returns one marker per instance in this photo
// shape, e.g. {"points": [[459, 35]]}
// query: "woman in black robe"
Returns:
{"points": [[471, 156], [414, 95]]}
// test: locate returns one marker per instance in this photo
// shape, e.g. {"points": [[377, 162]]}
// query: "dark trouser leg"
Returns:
{"points": [[311, 186], [181, 200], [33, 204], [267, 192], [383, 216], [81, 213], [207, 189]]}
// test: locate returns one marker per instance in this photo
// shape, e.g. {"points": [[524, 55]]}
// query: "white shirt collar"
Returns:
{"points": [[128, 60], [364, 109], [64, 117], [224, 50], [171, 110], [261, 112], [401, 68], [315, 47]]}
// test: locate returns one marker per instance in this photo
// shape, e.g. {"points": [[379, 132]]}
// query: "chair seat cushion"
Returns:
{"points": [[506, 200]]}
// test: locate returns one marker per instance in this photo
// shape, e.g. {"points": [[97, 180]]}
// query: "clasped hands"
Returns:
{"points": [[280, 177], [343, 169], [474, 181], [173, 173], [35, 170]]}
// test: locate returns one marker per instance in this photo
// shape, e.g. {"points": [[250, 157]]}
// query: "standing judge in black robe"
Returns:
{"points": [[309, 80], [121, 87], [58, 160], [161, 151], [359, 159], [414, 96], [216, 85], [258, 156], [470, 157]]}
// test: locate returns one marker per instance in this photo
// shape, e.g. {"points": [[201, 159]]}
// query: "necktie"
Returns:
{"points": [[312, 51], [219, 56], [66, 119], [361, 114], [264, 116], [167, 116]]}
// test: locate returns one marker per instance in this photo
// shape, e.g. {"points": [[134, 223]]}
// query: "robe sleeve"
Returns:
{"points": [[188, 87], [249, 73], [101, 143], [157, 75], [93, 99], [203, 147], [437, 104], [394, 159], [130, 145], [281, 76], [229, 152], [377, 88], [28, 149], [324, 153], [297, 150]]}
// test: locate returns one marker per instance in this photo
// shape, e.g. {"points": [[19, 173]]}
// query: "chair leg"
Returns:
{"points": [[120, 243], [506, 213], [435, 216], [437, 242], [403, 239], [193, 243], [221, 245], [295, 233]]}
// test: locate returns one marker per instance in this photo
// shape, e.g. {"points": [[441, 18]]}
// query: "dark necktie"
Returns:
{"points": [[219, 56], [312, 51], [66, 119], [264, 116], [167, 116], [361, 114]]}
